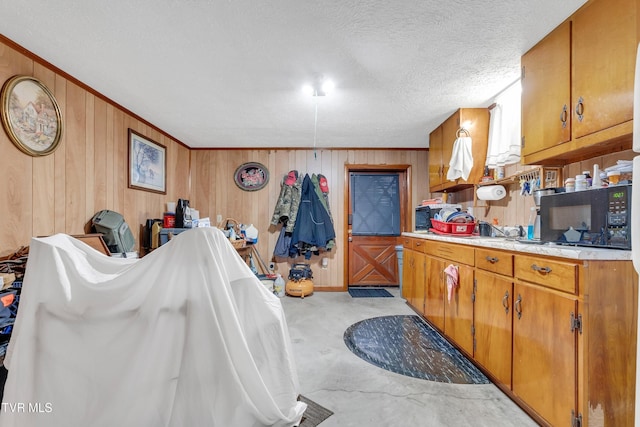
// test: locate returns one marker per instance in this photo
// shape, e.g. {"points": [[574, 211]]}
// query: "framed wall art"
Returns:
{"points": [[251, 176], [30, 115], [147, 164]]}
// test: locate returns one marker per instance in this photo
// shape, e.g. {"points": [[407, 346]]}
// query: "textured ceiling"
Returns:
{"points": [[227, 73]]}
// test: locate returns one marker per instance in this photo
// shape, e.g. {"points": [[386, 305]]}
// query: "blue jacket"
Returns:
{"points": [[314, 226]]}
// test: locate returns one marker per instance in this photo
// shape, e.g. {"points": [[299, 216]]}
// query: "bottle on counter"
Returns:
{"points": [[278, 286], [588, 177], [531, 224]]}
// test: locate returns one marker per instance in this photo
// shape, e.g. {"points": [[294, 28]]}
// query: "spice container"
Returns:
{"points": [[613, 177], [581, 182], [570, 185]]}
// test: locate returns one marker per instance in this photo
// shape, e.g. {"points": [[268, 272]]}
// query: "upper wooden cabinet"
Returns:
{"points": [[441, 140], [577, 85], [546, 92]]}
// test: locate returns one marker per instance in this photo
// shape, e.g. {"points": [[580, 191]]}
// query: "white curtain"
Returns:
{"points": [[504, 128]]}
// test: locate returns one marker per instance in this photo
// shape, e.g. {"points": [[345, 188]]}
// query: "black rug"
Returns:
{"points": [[315, 414], [409, 346], [369, 293]]}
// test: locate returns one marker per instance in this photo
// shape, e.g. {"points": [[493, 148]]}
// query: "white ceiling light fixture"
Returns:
{"points": [[320, 87]]}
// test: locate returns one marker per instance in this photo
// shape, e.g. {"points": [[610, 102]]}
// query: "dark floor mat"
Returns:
{"points": [[315, 414], [369, 293], [409, 346]]}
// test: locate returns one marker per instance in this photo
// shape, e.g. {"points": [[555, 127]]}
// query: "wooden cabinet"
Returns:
{"points": [[408, 268], [441, 140], [577, 96], [436, 162], [493, 308], [557, 335], [546, 92], [545, 352], [450, 311]]}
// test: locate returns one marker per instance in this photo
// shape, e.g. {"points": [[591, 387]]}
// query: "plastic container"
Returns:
{"points": [[452, 227], [531, 224], [613, 177], [581, 183], [570, 185], [587, 174], [278, 286]]}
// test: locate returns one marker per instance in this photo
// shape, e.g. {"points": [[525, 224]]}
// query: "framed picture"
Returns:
{"points": [[147, 164], [251, 176], [30, 115]]}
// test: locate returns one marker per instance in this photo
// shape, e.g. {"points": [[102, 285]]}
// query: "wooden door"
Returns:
{"points": [[373, 261], [492, 320], [604, 51], [546, 92], [435, 159], [377, 215], [458, 310], [434, 293], [545, 351]]}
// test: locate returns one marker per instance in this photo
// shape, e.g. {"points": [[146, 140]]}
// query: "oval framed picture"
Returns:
{"points": [[251, 176], [30, 115]]}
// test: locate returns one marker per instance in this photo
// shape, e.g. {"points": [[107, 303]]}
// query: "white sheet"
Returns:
{"points": [[186, 336]]}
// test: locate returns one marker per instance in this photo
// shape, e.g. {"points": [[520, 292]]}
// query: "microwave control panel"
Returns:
{"points": [[617, 215]]}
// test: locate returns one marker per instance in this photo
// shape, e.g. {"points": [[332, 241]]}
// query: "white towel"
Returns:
{"points": [[504, 129], [461, 159]]}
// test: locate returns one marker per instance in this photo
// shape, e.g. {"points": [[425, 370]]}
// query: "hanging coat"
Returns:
{"points": [[286, 208], [314, 226]]}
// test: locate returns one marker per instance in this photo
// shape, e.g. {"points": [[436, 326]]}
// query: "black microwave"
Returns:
{"points": [[597, 217]]}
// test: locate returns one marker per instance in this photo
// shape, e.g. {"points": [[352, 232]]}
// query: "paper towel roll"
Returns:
{"points": [[491, 192]]}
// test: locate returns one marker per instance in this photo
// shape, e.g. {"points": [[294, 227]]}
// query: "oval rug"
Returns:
{"points": [[407, 345]]}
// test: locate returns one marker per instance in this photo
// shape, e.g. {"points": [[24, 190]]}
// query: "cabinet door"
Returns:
{"points": [[434, 295], [419, 283], [435, 159], [493, 309], [408, 276], [545, 351], [604, 51], [459, 308], [546, 92]]}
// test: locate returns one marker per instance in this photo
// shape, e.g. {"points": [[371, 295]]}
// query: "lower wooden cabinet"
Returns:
{"points": [[545, 351], [493, 312], [557, 335]]}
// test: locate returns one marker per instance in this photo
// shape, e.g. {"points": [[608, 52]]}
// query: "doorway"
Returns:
{"points": [[377, 205]]}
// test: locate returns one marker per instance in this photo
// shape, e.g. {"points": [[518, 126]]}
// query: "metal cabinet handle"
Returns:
{"points": [[545, 270], [564, 115], [517, 306], [505, 302], [492, 259], [580, 109]]}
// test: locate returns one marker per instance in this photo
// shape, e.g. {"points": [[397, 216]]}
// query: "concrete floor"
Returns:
{"points": [[361, 394]]}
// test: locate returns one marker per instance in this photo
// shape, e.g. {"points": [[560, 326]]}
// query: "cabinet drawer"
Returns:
{"points": [[407, 242], [419, 244], [495, 261], [458, 253], [550, 273]]}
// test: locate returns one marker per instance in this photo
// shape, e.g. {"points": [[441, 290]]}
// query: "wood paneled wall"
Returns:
{"points": [[215, 193], [61, 192]]}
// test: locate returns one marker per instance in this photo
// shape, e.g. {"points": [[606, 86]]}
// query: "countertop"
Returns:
{"points": [[562, 251]]}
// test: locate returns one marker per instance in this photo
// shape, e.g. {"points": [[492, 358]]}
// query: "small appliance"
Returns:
{"points": [[598, 217], [425, 213]]}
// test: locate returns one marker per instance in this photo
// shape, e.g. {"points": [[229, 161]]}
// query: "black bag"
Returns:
{"points": [[300, 271], [183, 214]]}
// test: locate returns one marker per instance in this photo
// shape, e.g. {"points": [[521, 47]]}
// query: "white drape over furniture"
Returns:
{"points": [[504, 128], [186, 336]]}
